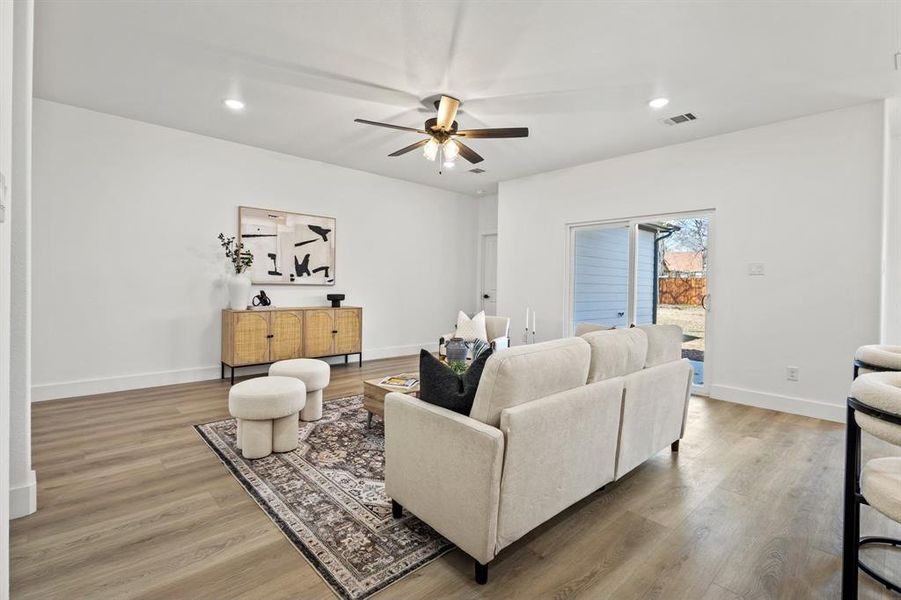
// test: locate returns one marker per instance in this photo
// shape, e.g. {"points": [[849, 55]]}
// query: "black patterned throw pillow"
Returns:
{"points": [[479, 346], [440, 386]]}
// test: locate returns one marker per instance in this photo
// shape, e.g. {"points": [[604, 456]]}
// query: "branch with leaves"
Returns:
{"points": [[240, 258]]}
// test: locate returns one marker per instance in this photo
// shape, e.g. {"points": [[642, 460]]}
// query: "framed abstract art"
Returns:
{"points": [[288, 247]]}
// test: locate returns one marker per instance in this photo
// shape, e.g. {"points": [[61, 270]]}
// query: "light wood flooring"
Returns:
{"points": [[132, 504]]}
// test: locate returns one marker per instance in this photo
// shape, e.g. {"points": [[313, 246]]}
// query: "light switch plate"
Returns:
{"points": [[756, 268]]}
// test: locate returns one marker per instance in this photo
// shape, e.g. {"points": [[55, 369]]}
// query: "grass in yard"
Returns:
{"points": [[687, 316]]}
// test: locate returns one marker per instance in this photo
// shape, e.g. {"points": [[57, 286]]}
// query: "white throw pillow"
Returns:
{"points": [[471, 329]]}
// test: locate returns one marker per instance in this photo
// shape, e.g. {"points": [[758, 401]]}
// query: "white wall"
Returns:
{"points": [[802, 196], [22, 481], [487, 206], [6, 98], [128, 279], [891, 227]]}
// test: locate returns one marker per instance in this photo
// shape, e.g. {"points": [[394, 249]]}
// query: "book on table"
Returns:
{"points": [[399, 382]]}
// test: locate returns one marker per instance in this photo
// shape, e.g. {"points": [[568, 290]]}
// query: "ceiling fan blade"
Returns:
{"points": [[499, 132], [411, 147], [389, 125], [447, 112], [468, 153]]}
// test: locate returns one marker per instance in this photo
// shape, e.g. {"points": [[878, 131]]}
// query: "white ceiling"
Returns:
{"points": [[578, 74]]}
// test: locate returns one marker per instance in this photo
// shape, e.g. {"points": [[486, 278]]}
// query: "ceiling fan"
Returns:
{"points": [[442, 143]]}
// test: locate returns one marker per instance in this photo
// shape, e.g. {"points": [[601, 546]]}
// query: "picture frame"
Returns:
{"points": [[288, 248]]}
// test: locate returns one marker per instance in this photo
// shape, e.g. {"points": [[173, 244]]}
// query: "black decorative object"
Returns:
{"points": [[335, 299], [440, 386], [261, 299]]}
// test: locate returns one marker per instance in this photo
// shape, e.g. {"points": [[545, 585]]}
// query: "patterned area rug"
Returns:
{"points": [[328, 498]]}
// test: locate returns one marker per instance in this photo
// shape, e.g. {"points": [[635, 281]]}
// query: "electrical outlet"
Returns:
{"points": [[792, 373], [756, 269]]}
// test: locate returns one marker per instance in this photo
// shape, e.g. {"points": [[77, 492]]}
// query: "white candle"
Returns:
{"points": [[533, 322], [527, 317]]}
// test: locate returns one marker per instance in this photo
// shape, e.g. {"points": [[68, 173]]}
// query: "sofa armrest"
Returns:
{"points": [[446, 469]]}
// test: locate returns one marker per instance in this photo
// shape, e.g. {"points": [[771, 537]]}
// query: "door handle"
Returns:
{"points": [[485, 296], [704, 299]]}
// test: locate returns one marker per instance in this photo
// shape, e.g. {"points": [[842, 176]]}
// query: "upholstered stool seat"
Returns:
{"points": [[266, 409], [314, 374], [881, 391], [877, 357], [880, 483]]}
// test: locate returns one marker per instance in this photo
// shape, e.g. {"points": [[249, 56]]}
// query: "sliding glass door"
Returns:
{"points": [[601, 274], [644, 270]]}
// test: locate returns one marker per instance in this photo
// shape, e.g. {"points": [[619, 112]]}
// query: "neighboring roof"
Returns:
{"points": [[683, 262]]}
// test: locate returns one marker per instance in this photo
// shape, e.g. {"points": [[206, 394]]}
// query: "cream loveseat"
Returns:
{"points": [[550, 424]]}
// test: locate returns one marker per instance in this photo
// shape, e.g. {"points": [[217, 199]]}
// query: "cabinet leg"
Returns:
{"points": [[361, 360], [222, 371], [369, 421], [345, 358], [481, 572], [233, 375], [674, 446], [397, 511]]}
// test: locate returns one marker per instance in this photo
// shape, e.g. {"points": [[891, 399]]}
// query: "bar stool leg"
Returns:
{"points": [[852, 508]]}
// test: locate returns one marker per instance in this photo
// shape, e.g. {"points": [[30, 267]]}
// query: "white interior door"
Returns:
{"points": [[489, 274]]}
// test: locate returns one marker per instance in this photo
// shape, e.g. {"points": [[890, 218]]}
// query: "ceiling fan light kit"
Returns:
{"points": [[442, 145]]}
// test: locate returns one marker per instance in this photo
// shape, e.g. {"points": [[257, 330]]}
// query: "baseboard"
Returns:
{"points": [[788, 404], [23, 498], [121, 383]]}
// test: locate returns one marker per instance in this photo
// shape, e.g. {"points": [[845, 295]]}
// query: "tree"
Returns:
{"points": [[692, 236]]}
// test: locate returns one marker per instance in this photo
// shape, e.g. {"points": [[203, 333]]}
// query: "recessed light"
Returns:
{"points": [[234, 104], [480, 192], [658, 102]]}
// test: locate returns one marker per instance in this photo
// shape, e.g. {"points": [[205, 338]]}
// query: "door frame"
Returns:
{"points": [[632, 223], [480, 269]]}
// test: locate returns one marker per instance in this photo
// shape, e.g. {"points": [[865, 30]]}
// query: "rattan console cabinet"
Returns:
{"points": [[262, 336]]}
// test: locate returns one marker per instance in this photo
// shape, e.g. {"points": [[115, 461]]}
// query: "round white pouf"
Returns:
{"points": [[315, 376], [266, 409]]}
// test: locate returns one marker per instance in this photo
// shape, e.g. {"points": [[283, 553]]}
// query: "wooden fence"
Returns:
{"points": [[675, 290]]}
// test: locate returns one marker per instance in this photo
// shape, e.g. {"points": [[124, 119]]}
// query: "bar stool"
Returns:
{"points": [[876, 358], [874, 406]]}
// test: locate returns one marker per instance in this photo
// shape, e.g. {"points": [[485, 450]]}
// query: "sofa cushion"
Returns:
{"points": [[524, 373], [583, 328], [664, 343], [442, 387], [616, 352]]}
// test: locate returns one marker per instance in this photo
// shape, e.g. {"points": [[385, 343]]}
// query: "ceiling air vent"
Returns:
{"points": [[679, 119], [477, 170]]}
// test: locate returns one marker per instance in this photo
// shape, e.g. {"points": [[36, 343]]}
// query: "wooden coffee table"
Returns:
{"points": [[374, 394]]}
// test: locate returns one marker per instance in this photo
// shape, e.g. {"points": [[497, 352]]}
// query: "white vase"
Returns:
{"points": [[238, 291]]}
